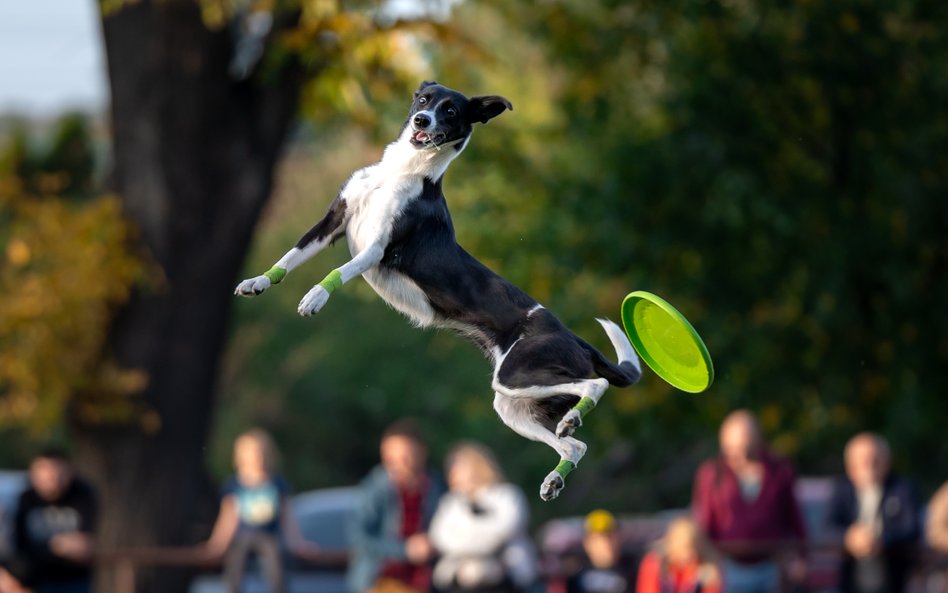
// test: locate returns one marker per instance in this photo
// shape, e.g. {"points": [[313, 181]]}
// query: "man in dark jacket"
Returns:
{"points": [[53, 526], [877, 515]]}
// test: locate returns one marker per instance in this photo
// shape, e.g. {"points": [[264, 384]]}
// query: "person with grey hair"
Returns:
{"points": [[875, 513]]}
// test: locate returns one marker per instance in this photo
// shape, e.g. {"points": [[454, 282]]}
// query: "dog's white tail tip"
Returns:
{"points": [[620, 341]]}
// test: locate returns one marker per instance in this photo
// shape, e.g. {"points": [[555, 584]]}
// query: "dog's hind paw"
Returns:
{"points": [[568, 425], [552, 486]]}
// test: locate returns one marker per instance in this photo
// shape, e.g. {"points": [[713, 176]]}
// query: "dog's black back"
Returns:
{"points": [[459, 288]]}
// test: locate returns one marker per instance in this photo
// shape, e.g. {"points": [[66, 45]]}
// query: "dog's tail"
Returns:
{"points": [[629, 370]]}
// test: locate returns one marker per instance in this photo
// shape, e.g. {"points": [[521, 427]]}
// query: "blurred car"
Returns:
{"points": [[560, 540], [12, 483], [323, 516]]}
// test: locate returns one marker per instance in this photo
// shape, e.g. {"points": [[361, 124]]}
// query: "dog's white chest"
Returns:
{"points": [[375, 200]]}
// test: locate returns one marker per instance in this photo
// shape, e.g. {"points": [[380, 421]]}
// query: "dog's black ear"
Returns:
{"points": [[483, 109], [425, 84]]}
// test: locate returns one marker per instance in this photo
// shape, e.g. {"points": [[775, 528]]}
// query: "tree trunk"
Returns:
{"points": [[194, 153]]}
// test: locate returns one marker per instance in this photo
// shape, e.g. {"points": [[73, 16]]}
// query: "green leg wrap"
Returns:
{"points": [[585, 406], [564, 467], [332, 281], [275, 274]]}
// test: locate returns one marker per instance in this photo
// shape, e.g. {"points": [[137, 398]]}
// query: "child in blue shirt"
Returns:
{"points": [[255, 517]]}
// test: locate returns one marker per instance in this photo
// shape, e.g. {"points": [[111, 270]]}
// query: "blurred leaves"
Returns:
{"points": [[66, 268], [776, 170], [71, 261], [64, 168]]}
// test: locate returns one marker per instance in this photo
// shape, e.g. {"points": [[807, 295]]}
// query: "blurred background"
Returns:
{"points": [[776, 169]]}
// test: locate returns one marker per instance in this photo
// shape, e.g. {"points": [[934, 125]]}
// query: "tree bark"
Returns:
{"points": [[194, 153]]}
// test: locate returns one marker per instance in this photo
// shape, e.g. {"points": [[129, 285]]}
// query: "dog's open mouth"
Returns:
{"points": [[425, 139]]}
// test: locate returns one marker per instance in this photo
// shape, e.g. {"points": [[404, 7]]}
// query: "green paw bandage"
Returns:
{"points": [[585, 405], [564, 467], [332, 281], [275, 274]]}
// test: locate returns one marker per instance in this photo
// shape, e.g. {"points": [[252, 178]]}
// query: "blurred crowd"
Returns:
{"points": [[466, 530]]}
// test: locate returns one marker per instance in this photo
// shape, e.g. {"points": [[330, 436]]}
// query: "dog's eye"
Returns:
{"points": [[422, 100], [452, 111]]}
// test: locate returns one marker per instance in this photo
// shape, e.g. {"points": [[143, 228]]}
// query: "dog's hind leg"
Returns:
{"points": [[520, 414], [589, 392]]}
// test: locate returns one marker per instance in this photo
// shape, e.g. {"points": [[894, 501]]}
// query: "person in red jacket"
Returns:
{"points": [[680, 563], [744, 502]]}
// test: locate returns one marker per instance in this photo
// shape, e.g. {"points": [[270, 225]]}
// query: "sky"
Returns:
{"points": [[51, 57]]}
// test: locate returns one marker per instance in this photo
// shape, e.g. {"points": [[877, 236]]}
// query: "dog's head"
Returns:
{"points": [[439, 115]]}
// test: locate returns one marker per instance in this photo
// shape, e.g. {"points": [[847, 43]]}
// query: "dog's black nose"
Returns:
{"points": [[422, 121]]}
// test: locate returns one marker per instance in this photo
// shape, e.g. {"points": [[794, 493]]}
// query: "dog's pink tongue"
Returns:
{"points": [[421, 136]]}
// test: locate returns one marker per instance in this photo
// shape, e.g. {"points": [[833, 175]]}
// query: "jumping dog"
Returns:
{"points": [[395, 219]]}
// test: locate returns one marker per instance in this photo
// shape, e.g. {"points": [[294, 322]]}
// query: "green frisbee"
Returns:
{"points": [[667, 342]]}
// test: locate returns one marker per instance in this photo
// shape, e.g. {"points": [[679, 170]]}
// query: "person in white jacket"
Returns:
{"points": [[480, 528]]}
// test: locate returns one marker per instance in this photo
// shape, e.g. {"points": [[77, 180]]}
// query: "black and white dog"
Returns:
{"points": [[396, 221]]}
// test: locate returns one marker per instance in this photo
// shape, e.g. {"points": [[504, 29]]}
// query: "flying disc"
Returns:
{"points": [[667, 342]]}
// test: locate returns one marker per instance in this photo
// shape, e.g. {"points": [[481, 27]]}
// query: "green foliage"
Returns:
{"points": [[769, 169], [63, 165], [66, 268], [68, 262], [776, 170]]}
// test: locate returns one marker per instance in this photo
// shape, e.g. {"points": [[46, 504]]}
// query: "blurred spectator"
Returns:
{"points": [[936, 535], [936, 530], [53, 530], [876, 513], [6, 531], [681, 563], [255, 517], [605, 569], [390, 547], [744, 501], [480, 528]]}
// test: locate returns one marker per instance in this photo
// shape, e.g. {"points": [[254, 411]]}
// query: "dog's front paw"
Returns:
{"points": [[568, 425], [552, 486], [313, 301], [252, 286]]}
